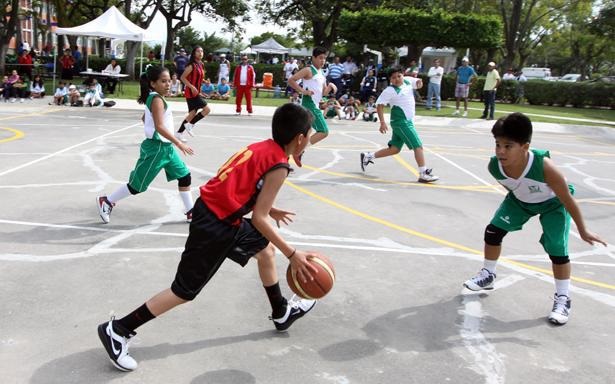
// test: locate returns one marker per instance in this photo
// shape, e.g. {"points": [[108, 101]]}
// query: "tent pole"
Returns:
{"points": [[55, 57], [141, 60]]}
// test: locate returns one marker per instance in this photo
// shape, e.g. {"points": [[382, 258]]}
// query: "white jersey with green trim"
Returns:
{"points": [[316, 84], [401, 99], [531, 186], [148, 124]]}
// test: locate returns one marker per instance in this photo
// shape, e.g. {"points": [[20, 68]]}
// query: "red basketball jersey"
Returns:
{"points": [[233, 191], [195, 77]]}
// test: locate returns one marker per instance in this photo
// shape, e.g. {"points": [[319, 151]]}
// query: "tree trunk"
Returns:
{"points": [[131, 54], [168, 52]]}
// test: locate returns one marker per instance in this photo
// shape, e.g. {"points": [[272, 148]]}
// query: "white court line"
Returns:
{"points": [[66, 149]]}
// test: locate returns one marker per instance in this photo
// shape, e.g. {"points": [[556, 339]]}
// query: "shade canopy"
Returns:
{"points": [[269, 46], [112, 25]]}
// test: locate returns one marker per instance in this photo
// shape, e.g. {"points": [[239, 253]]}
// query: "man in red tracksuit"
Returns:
{"points": [[243, 81]]}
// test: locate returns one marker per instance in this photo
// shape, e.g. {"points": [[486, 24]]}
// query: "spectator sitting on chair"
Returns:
{"points": [[176, 87], [60, 96], [74, 95], [113, 69], [207, 89], [37, 88], [224, 90]]}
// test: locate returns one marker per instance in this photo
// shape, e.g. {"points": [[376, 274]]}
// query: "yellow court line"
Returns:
{"points": [[16, 135], [596, 202], [477, 188], [403, 162], [29, 114], [433, 238]]}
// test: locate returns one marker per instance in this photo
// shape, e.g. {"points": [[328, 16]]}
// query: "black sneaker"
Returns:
{"points": [[295, 309], [482, 281], [561, 310], [117, 346]]}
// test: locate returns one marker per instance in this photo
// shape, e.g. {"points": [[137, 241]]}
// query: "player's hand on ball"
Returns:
{"points": [[301, 266]]}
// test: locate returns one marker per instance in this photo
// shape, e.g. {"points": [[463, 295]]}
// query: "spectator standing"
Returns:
{"points": [[335, 73], [67, 62], [489, 90], [435, 74], [509, 75], [350, 69], [464, 77], [113, 69], [181, 60], [25, 64], [224, 69], [368, 85], [289, 68], [520, 87], [78, 59], [243, 81]]}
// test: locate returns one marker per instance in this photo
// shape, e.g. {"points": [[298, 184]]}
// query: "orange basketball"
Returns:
{"points": [[322, 283]]}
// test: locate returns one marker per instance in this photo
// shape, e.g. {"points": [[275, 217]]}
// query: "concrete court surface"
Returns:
{"points": [[398, 312]]}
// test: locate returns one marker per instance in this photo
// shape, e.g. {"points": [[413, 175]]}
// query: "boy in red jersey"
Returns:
{"points": [[248, 181]]}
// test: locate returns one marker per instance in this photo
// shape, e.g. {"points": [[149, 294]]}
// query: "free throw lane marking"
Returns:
{"points": [[16, 134]]}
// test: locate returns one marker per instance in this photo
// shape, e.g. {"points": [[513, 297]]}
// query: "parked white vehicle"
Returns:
{"points": [[571, 77], [537, 73]]}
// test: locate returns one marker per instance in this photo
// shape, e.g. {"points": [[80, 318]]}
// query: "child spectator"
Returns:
{"points": [[207, 89], [74, 96], [21, 88], [92, 96], [295, 99], [10, 85], [369, 110], [176, 87], [60, 97], [37, 88], [351, 109], [333, 108], [5, 89], [224, 90]]}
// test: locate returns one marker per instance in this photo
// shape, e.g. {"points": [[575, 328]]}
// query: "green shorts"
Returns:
{"points": [[404, 133], [154, 157], [318, 123], [554, 219]]}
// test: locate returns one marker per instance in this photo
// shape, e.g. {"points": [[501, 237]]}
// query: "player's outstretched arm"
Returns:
{"points": [[383, 124], [557, 182], [260, 219]]}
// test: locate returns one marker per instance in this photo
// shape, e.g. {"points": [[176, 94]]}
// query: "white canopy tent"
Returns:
{"points": [[114, 25], [269, 46]]}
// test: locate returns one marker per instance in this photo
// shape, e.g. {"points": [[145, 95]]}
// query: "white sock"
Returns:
{"points": [[490, 265], [186, 199], [562, 287], [422, 169], [119, 194]]}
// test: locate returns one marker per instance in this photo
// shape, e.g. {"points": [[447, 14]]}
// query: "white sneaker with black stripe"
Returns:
{"points": [[428, 177], [482, 281], [295, 309], [188, 127], [366, 159], [104, 208], [117, 346], [561, 310]]}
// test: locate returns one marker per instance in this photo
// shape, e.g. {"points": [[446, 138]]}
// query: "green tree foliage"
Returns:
{"points": [[321, 16], [388, 27], [189, 38]]}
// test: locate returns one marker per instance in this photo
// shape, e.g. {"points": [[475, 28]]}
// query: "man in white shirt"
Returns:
{"points": [[113, 69], [289, 67], [350, 68], [435, 74]]}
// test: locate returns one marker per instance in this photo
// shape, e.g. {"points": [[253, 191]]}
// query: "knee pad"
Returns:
{"points": [[494, 235], [184, 181], [132, 190], [559, 260]]}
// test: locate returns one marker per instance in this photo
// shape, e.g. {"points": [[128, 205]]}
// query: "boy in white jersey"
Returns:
{"points": [[157, 152], [400, 95], [536, 187], [314, 87]]}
